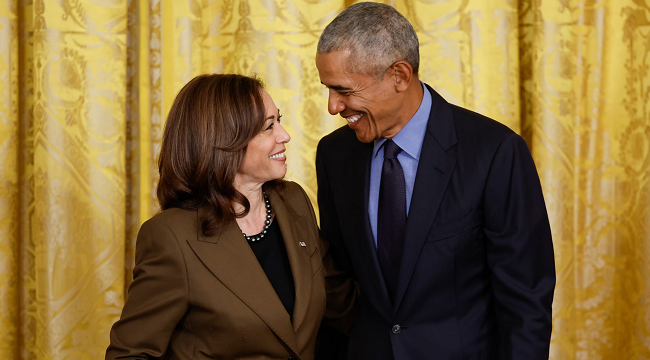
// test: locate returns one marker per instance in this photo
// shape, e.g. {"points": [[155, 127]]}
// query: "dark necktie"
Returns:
{"points": [[391, 216]]}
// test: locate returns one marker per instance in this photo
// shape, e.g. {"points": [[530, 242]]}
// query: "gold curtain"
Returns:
{"points": [[85, 86]]}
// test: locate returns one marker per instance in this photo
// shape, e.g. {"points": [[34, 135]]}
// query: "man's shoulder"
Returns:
{"points": [[479, 138], [343, 136], [479, 132], [470, 121], [467, 124], [339, 145]]}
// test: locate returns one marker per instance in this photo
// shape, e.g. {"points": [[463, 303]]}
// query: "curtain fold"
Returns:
{"points": [[85, 87], [9, 181]]}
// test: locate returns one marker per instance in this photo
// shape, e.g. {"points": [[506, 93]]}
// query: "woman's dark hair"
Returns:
{"points": [[208, 128]]}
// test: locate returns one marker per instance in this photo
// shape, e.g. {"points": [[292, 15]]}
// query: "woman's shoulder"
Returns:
{"points": [[294, 195], [292, 187], [174, 219], [292, 191]]}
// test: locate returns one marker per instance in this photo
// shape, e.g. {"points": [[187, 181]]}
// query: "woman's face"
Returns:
{"points": [[265, 159]]}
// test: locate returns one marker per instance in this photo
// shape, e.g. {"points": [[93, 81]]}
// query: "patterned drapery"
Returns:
{"points": [[85, 86]]}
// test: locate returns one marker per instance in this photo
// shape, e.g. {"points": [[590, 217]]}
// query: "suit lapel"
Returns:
{"points": [[294, 227], [357, 193], [434, 171], [231, 260]]}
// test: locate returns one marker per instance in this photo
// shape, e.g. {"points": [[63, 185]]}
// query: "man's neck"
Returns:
{"points": [[412, 100]]}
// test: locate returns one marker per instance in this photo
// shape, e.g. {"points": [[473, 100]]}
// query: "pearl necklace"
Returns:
{"points": [[267, 222]]}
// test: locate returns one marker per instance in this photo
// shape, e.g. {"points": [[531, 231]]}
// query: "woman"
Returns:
{"points": [[231, 268]]}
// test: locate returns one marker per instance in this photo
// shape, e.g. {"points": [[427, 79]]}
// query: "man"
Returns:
{"points": [[435, 210]]}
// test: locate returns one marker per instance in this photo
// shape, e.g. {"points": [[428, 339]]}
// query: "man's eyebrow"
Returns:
{"points": [[337, 87]]}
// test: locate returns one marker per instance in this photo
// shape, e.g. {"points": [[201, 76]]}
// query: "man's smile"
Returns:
{"points": [[353, 118]]}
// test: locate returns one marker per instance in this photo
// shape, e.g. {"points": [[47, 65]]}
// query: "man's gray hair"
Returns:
{"points": [[376, 35]]}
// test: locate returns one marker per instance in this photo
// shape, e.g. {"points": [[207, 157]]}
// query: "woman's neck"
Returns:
{"points": [[253, 222]]}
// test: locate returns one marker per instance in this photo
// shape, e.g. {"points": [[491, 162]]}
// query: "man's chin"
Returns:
{"points": [[363, 137], [362, 130]]}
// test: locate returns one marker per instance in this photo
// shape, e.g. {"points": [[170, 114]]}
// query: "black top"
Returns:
{"points": [[272, 255]]}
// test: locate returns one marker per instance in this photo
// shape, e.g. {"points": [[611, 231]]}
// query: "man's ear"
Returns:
{"points": [[402, 73]]}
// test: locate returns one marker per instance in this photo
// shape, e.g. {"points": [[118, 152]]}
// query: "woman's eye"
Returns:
{"points": [[273, 122]]}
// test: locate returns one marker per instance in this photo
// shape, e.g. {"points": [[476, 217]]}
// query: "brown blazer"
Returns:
{"points": [[198, 297]]}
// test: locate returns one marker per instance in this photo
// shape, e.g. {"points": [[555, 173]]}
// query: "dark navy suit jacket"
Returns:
{"points": [[477, 274]]}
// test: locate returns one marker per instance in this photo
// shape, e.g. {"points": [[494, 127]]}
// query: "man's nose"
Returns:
{"points": [[335, 103]]}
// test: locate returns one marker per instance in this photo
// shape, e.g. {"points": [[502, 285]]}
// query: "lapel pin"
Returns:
{"points": [[302, 243]]}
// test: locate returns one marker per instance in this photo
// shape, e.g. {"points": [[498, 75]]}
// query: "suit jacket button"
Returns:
{"points": [[396, 329]]}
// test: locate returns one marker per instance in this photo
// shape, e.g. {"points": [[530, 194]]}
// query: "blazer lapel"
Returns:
{"points": [[434, 171], [231, 260], [294, 228], [356, 194]]}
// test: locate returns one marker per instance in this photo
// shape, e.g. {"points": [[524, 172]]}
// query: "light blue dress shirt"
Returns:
{"points": [[409, 139]]}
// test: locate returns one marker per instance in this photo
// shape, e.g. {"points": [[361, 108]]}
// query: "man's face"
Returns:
{"points": [[370, 106]]}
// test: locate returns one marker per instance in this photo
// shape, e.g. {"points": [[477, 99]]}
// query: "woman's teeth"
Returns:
{"points": [[277, 156], [354, 118]]}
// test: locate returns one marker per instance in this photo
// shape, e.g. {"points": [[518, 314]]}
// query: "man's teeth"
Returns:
{"points": [[354, 118], [277, 156]]}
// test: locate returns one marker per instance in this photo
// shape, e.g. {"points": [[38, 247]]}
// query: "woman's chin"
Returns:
{"points": [[277, 175], [282, 174]]}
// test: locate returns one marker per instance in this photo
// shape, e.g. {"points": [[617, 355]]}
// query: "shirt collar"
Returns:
{"points": [[410, 138]]}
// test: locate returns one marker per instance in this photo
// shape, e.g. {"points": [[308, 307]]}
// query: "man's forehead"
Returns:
{"points": [[335, 61], [335, 73]]}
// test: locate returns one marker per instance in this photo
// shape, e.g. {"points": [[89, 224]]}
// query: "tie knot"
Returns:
{"points": [[391, 149]]}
